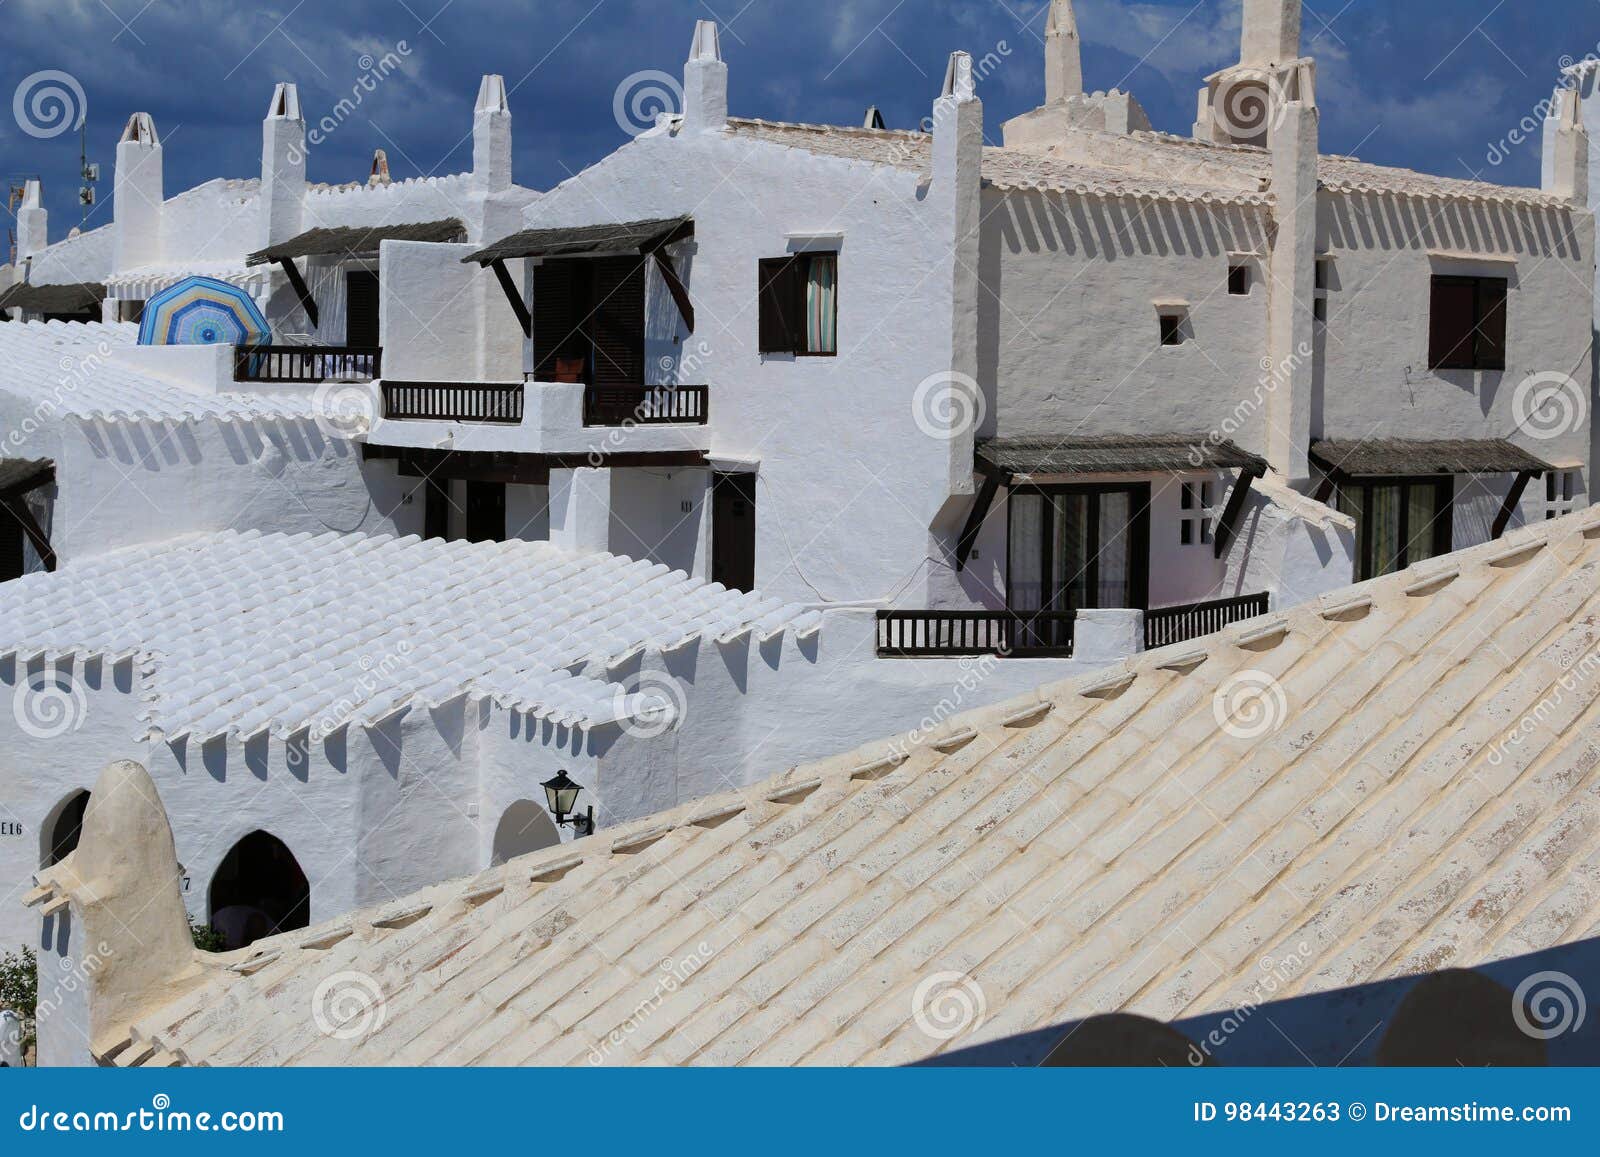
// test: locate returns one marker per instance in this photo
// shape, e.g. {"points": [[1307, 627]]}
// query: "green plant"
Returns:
{"points": [[19, 989], [207, 938]]}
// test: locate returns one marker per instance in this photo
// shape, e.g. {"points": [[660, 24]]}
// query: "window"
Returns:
{"points": [[1467, 324], [1071, 547], [1560, 493], [799, 305], [1172, 329], [1194, 522], [1399, 521], [1239, 280], [1319, 310]]}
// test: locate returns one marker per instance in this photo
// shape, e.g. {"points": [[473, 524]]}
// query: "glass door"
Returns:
{"points": [[1399, 521], [1076, 547]]}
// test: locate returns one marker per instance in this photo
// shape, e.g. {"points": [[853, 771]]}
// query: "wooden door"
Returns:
{"points": [[733, 531], [486, 512], [361, 309]]}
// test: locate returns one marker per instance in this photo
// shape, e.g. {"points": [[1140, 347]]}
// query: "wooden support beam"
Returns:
{"points": [[1513, 499], [301, 290], [514, 296], [1325, 489], [680, 295], [44, 476], [18, 509], [992, 481], [1228, 524]]}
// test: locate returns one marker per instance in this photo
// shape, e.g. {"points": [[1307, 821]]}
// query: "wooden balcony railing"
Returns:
{"points": [[306, 363], [1167, 625], [1024, 634], [490, 404], [645, 405]]}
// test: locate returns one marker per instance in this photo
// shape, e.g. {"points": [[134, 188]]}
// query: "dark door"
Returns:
{"points": [[361, 310], [436, 509], [1077, 547], [11, 558], [733, 531], [486, 512]]}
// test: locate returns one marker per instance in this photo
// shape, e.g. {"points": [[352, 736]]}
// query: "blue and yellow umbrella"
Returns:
{"points": [[202, 311]]}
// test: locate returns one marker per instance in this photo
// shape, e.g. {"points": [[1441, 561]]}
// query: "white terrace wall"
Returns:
{"points": [[1372, 357], [444, 321], [847, 486], [1068, 329]]}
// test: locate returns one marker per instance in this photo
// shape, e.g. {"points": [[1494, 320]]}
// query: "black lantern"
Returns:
{"points": [[562, 794]]}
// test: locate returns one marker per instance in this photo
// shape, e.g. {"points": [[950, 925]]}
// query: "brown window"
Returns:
{"points": [[798, 300], [1467, 324], [588, 321]]}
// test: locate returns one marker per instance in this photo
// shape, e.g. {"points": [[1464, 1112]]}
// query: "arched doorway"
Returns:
{"points": [[526, 827], [259, 890], [58, 837]]}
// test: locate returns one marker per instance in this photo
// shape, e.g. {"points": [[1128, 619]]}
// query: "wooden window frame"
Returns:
{"points": [[1443, 517], [1139, 558], [1483, 345], [781, 283]]}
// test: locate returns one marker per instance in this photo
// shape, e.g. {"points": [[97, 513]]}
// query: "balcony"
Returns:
{"points": [[484, 403], [645, 405], [1048, 634], [306, 364]]}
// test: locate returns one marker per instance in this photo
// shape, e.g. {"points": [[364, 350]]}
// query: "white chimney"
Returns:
{"points": [[1566, 146], [1063, 57], [33, 223], [956, 195], [283, 166], [1271, 32], [138, 191], [705, 81], [491, 136]]}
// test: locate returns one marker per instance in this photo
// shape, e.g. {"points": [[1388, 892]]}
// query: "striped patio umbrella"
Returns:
{"points": [[202, 311]]}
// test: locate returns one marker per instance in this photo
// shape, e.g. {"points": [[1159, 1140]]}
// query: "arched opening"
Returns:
{"points": [[58, 838], [526, 827], [259, 890]]}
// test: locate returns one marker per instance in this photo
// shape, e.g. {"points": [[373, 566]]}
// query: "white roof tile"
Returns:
{"points": [[67, 366], [367, 625]]}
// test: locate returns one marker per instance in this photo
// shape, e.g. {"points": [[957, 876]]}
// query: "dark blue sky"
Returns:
{"points": [[1432, 84]]}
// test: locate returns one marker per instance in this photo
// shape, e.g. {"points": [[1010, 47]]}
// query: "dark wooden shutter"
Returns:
{"points": [[1491, 323], [781, 305], [560, 302], [1451, 343], [617, 323], [361, 310]]}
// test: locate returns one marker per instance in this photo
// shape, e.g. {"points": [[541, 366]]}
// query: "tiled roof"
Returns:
{"points": [[1139, 164], [434, 619], [578, 240], [66, 370], [349, 240], [1396, 780]]}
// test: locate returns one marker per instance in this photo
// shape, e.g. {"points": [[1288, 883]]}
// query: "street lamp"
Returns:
{"points": [[562, 794]]}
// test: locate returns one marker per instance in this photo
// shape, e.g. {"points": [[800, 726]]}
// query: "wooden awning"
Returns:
{"points": [[1115, 454], [1407, 458], [587, 240], [350, 241], [76, 297]]}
